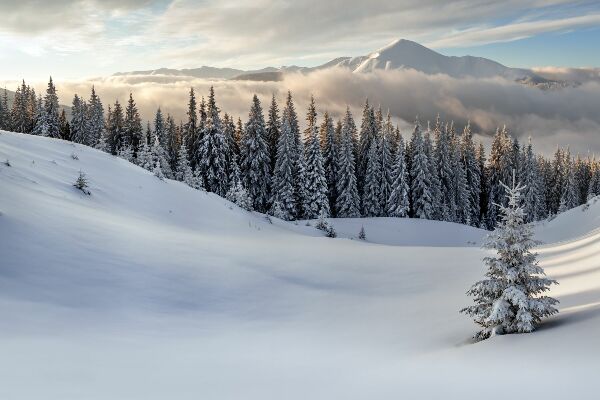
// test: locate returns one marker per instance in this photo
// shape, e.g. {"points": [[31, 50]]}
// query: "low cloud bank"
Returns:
{"points": [[568, 116]]}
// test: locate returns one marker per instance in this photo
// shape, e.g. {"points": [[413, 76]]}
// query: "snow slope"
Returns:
{"points": [[151, 290]]}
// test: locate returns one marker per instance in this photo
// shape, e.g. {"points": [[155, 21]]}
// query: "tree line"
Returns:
{"points": [[331, 168]]}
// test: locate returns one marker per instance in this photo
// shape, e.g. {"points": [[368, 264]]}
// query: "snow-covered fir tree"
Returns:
{"points": [[273, 131], [461, 198], [386, 143], [5, 121], [213, 150], [329, 151], [95, 118], [41, 121], [398, 204], [420, 187], [145, 157], [347, 202], [284, 203], [159, 157], [317, 202], [510, 299], [184, 172], [79, 122], [499, 169], [529, 177], [237, 193], [190, 132], [368, 134], [132, 125], [472, 177], [255, 162], [569, 196], [65, 127], [51, 111], [445, 172], [371, 196], [116, 129]]}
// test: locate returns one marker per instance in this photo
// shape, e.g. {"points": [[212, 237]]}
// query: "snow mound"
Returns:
{"points": [[572, 224]]}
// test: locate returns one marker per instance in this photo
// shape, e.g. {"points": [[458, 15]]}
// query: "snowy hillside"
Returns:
{"points": [[148, 289]]}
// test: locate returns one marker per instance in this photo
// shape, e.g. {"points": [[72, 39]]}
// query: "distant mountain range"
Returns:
{"points": [[400, 54]]}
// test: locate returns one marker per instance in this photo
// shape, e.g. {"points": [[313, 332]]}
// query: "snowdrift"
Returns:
{"points": [[148, 289]]}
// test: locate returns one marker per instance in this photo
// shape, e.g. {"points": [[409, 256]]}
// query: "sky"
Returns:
{"points": [[74, 39]]}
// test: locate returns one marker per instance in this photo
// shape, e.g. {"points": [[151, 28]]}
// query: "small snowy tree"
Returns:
{"points": [[508, 300], [362, 235], [325, 226], [184, 171], [82, 183], [237, 193]]}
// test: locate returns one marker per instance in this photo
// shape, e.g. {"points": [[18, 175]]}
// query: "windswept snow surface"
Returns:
{"points": [[148, 289]]}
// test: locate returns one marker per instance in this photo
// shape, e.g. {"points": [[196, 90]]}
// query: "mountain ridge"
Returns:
{"points": [[397, 55]]}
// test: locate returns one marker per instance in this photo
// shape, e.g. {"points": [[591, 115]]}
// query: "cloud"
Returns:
{"points": [[513, 31], [567, 116], [580, 75]]}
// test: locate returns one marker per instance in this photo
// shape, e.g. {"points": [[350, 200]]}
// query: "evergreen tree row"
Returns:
{"points": [[332, 168]]}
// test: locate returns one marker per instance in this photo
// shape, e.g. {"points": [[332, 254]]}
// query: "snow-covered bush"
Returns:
{"points": [[238, 195], [82, 183], [509, 299]]}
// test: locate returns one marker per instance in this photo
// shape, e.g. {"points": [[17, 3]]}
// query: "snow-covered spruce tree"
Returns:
{"points": [[317, 202], [362, 235], [82, 183], [172, 141], [347, 202], [460, 181], [20, 111], [509, 299], [398, 204], [472, 176], [255, 163], [386, 143], [324, 225], [158, 171], [371, 197], [144, 157], [237, 193], [529, 177], [594, 187], [51, 111], [5, 122], [273, 131], [160, 160], [79, 129], [190, 129], [420, 178], [116, 129], [65, 127], [184, 172], [289, 114], [434, 185], [213, 150], [500, 167], [95, 118], [329, 151], [368, 134], [41, 121], [132, 125], [569, 196], [445, 172], [282, 186]]}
